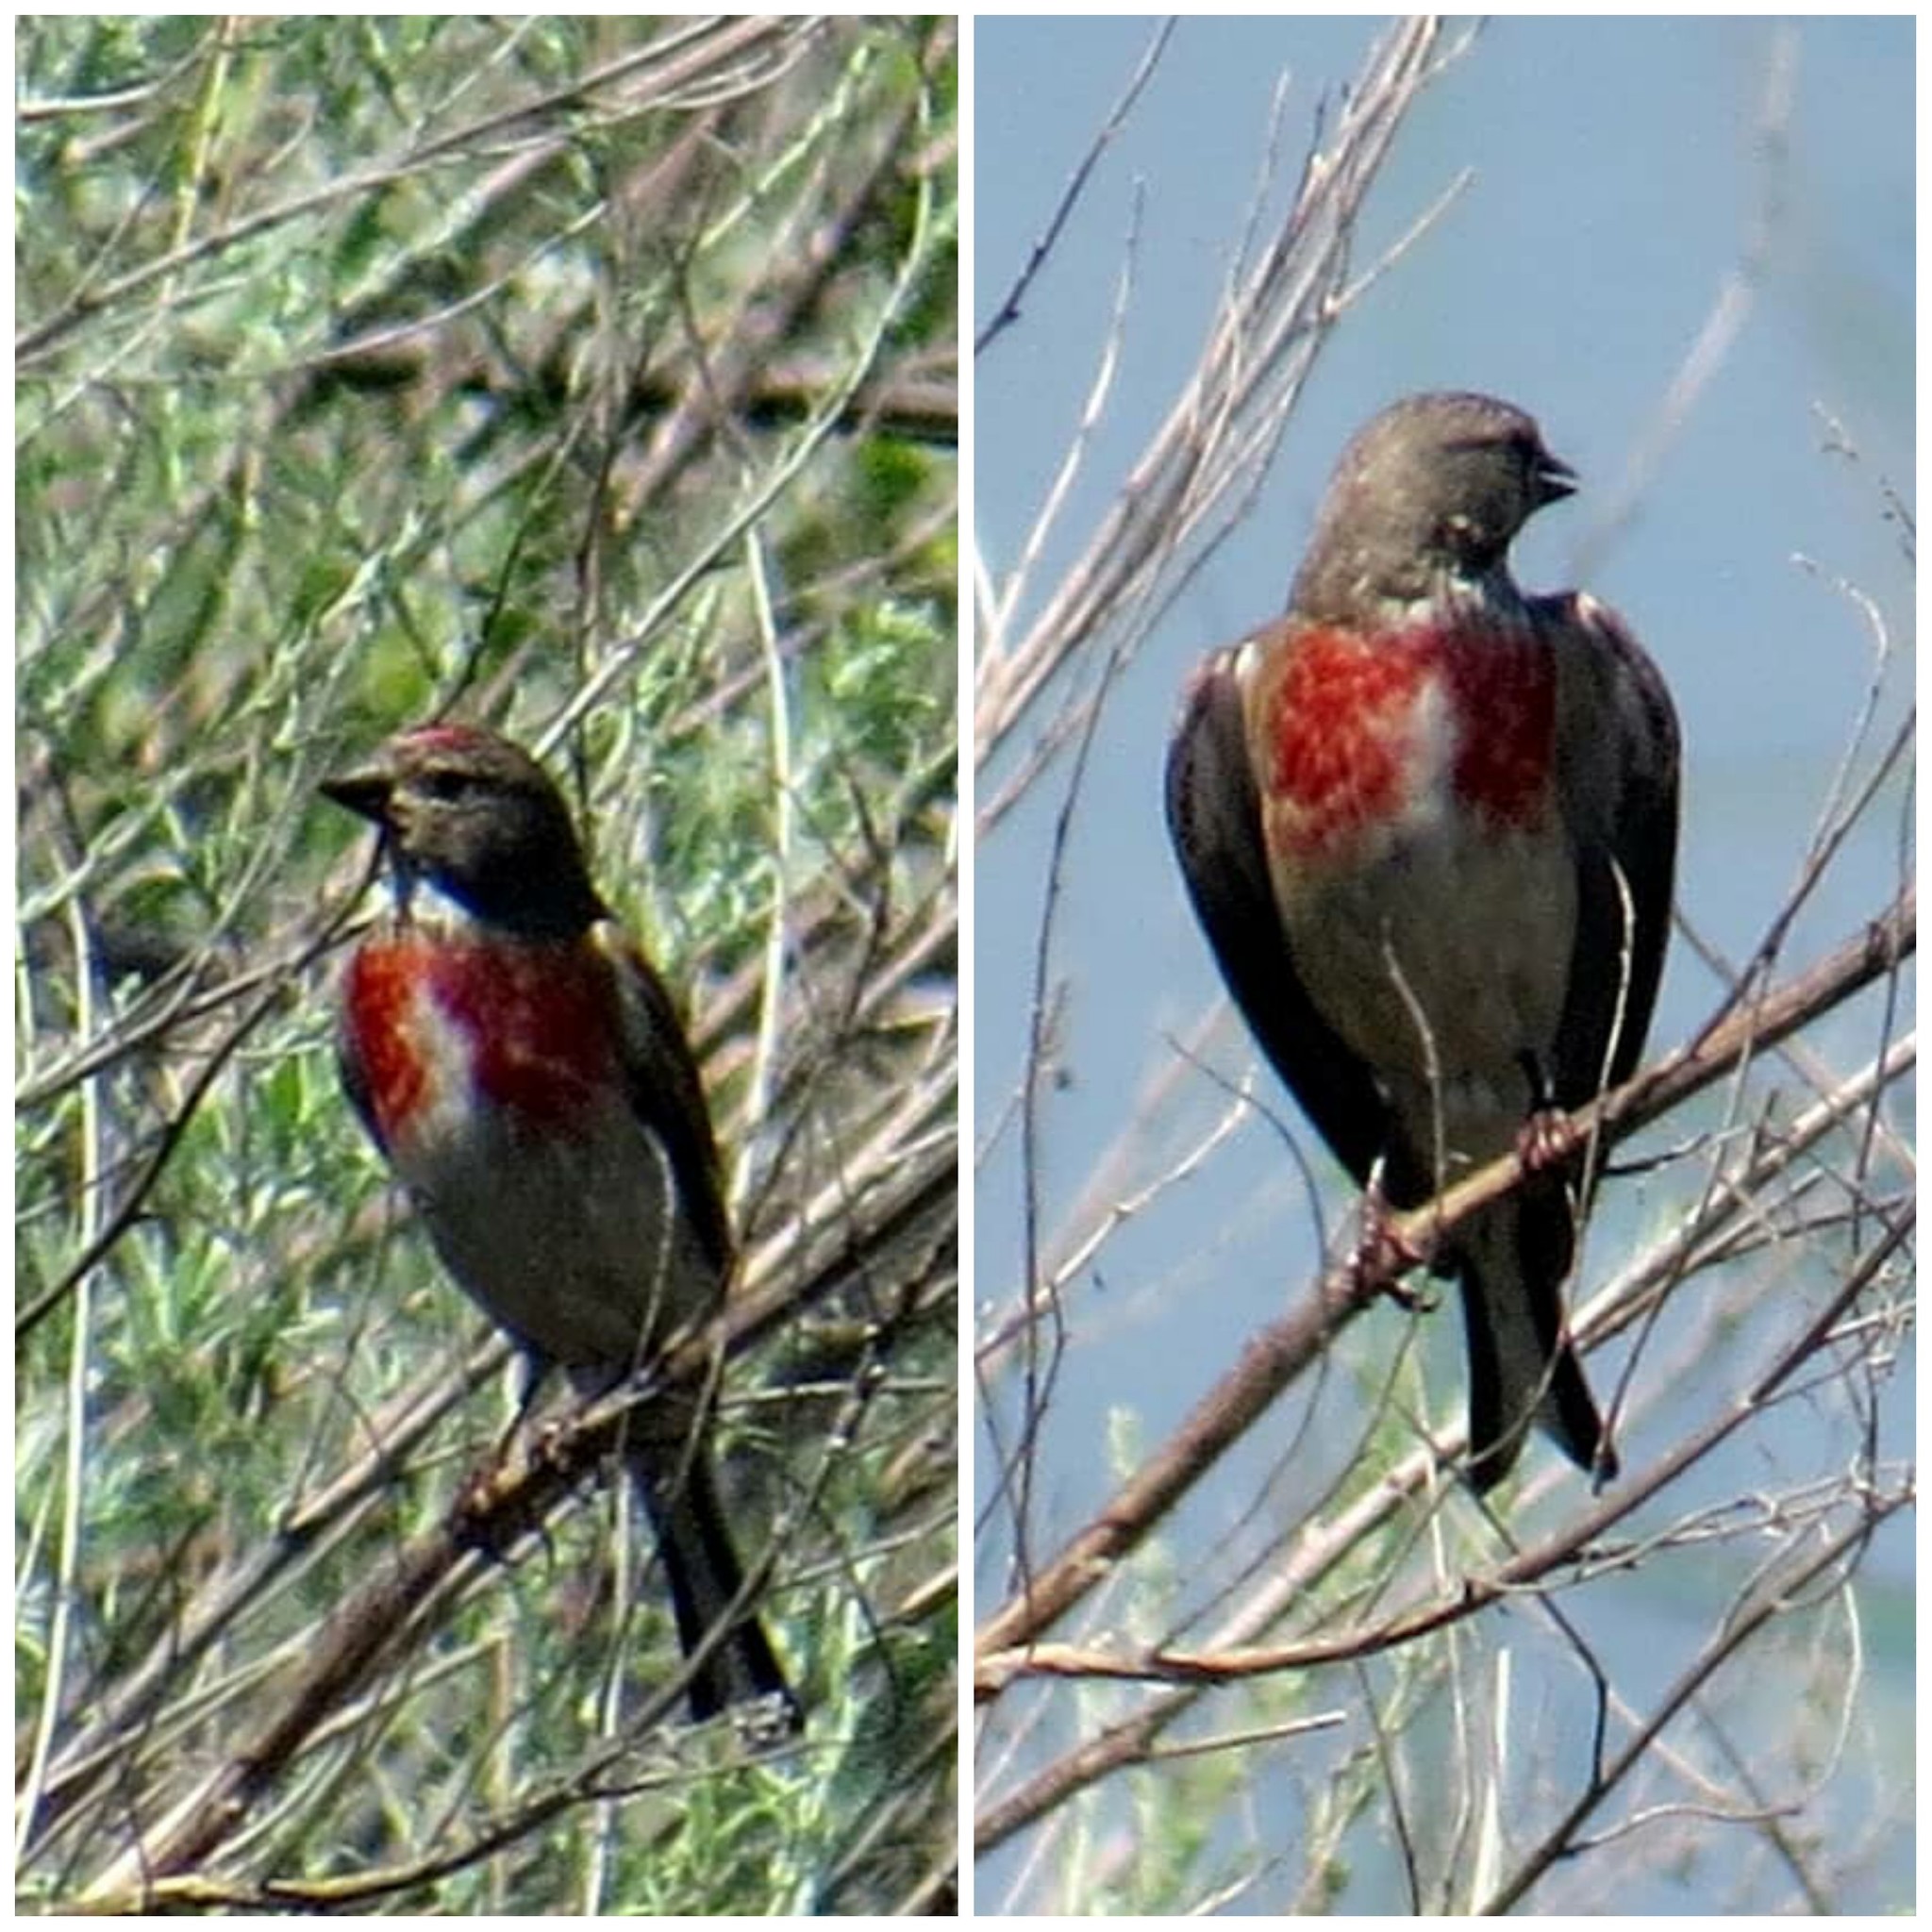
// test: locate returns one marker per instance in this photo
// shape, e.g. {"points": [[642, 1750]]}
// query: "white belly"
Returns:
{"points": [[1442, 960], [578, 1246]]}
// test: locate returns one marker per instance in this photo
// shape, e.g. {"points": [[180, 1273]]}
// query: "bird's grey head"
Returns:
{"points": [[1426, 498]]}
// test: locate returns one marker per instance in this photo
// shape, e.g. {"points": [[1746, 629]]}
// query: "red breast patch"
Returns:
{"points": [[1345, 726], [530, 1027]]}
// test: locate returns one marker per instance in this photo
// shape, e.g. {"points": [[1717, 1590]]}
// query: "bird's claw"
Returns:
{"points": [[1382, 1258], [1545, 1139]]}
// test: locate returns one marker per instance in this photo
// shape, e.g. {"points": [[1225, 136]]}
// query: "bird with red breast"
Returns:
{"points": [[522, 1068], [1428, 824]]}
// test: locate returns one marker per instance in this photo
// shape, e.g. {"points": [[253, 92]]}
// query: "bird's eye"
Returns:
{"points": [[446, 786]]}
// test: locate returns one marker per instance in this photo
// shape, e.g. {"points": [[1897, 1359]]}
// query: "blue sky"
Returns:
{"points": [[1621, 177]]}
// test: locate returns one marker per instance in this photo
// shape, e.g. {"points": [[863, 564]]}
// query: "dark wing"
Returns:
{"points": [[1617, 749], [666, 1094], [1214, 817]]}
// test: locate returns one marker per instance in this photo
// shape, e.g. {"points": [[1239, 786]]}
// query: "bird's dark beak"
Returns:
{"points": [[1555, 480], [365, 791]]}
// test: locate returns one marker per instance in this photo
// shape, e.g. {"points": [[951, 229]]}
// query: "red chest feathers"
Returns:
{"points": [[430, 1024], [1356, 733]]}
